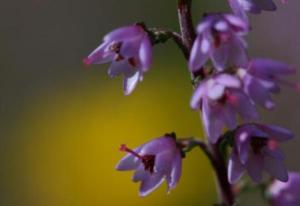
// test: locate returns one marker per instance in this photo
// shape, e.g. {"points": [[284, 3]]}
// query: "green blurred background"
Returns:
{"points": [[62, 124]]}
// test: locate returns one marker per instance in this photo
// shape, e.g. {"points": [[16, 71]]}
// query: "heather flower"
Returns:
{"points": [[130, 52], [256, 149], [262, 78], [220, 38], [220, 99], [240, 7], [153, 162], [285, 193]]}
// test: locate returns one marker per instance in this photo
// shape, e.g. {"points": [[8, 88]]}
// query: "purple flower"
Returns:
{"points": [[285, 193], [219, 37], [261, 79], [220, 99], [240, 7], [153, 162], [130, 52], [256, 149]]}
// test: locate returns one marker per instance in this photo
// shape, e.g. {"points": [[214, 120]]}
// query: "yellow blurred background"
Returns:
{"points": [[61, 124], [72, 135]]}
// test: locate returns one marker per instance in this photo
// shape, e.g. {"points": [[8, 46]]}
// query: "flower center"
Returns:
{"points": [[148, 159], [257, 143]]}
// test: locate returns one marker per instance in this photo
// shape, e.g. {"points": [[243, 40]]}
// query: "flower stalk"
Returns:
{"points": [[218, 162]]}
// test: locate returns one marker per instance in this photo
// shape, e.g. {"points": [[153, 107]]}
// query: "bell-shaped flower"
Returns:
{"points": [[285, 193], [221, 98], [256, 150], [261, 79], [129, 51], [220, 38], [154, 162]]}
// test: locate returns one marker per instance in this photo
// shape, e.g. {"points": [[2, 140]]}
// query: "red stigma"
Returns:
{"points": [[87, 61], [272, 144]]}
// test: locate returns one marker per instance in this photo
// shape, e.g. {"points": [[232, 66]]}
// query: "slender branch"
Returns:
{"points": [[186, 23], [161, 36], [224, 187], [190, 143]]}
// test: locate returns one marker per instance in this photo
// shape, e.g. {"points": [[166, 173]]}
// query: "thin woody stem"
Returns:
{"points": [[217, 160], [186, 23], [224, 187]]}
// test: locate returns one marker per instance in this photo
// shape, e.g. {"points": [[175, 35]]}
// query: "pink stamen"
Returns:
{"points": [[124, 148]]}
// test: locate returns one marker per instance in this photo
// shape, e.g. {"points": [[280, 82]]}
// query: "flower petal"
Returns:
{"points": [[199, 53], [176, 171], [212, 123], [145, 53], [254, 167], [276, 168], [197, 96], [122, 33], [129, 162], [150, 184], [235, 168], [131, 82], [277, 133]]}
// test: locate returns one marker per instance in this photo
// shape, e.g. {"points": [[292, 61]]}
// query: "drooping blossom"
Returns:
{"points": [[261, 79], [221, 98], [130, 52], [256, 150], [153, 162], [220, 38], [285, 193]]}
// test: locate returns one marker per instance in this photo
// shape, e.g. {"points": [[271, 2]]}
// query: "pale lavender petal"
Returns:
{"points": [[212, 123], [276, 168], [140, 174], [278, 133], [215, 92], [122, 33], [268, 68], [228, 116], [237, 21], [145, 53], [237, 53], [243, 145], [176, 171], [243, 105], [199, 53], [273, 153], [254, 167], [219, 56], [99, 55], [129, 162], [197, 96], [267, 5], [159, 145], [131, 82], [235, 168], [239, 10], [258, 93], [121, 67], [151, 183], [228, 80]]}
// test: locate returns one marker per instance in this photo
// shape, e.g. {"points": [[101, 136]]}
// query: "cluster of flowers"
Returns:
{"points": [[229, 89]]}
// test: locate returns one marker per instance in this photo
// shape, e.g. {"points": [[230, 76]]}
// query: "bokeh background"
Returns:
{"points": [[62, 124]]}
